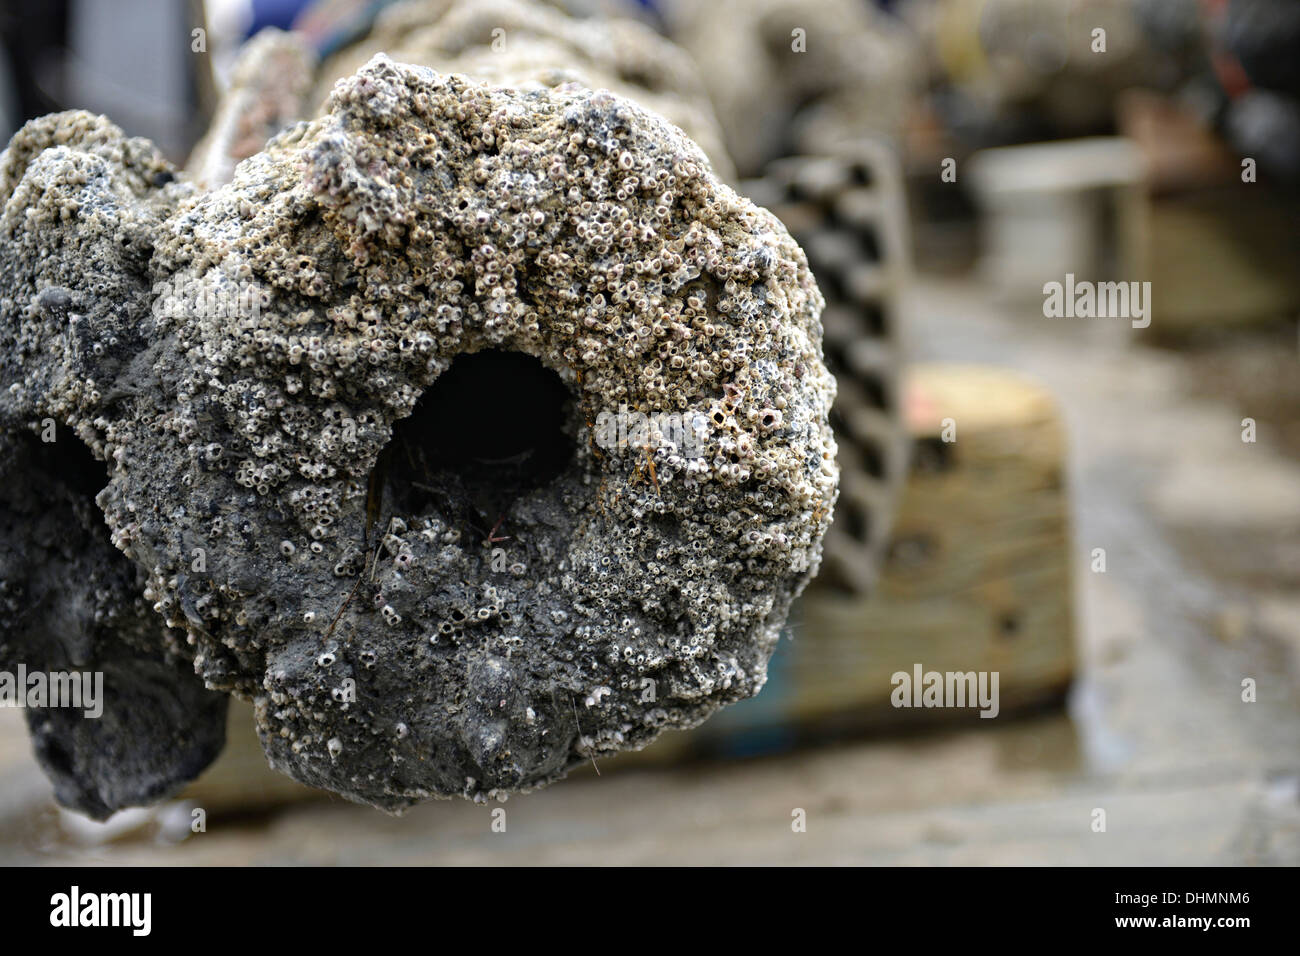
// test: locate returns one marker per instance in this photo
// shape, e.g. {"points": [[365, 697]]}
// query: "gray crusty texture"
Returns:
{"points": [[527, 44], [422, 217], [69, 601], [518, 44], [81, 208]]}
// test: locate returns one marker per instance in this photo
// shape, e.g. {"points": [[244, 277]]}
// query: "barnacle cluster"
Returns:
{"points": [[370, 502], [528, 44]]}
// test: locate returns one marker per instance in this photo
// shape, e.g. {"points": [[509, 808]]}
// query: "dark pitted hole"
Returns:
{"points": [[1008, 625], [69, 462], [489, 429]]}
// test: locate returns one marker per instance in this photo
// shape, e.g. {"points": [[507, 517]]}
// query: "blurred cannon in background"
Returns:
{"points": [[280, 78], [529, 42], [797, 77]]}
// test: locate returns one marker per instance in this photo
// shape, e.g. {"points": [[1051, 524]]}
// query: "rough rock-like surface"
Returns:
{"points": [[71, 603], [517, 44], [432, 582], [81, 204], [524, 44]]}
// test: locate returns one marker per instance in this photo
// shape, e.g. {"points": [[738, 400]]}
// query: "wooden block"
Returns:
{"points": [[978, 574]]}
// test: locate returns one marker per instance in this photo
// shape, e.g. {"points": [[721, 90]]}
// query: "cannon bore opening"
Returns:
{"points": [[64, 460], [489, 430]]}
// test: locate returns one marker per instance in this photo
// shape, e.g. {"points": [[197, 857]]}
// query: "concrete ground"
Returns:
{"points": [[1202, 537]]}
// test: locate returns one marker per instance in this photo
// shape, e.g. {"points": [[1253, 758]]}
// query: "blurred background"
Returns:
{"points": [[1103, 510]]}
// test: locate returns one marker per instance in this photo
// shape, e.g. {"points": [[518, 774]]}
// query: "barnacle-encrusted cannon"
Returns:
{"points": [[352, 411]]}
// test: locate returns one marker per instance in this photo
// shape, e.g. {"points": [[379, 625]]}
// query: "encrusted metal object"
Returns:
{"points": [[354, 412]]}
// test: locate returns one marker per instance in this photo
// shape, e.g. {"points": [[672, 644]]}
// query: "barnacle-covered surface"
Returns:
{"points": [[526, 44], [81, 204], [416, 607], [520, 44]]}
